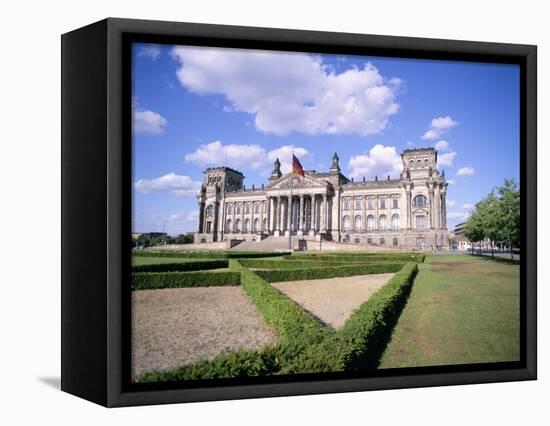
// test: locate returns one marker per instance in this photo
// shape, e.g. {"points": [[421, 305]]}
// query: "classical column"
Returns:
{"points": [[252, 207], [323, 212], [437, 208], [242, 216], [289, 215], [376, 218], [432, 210], [314, 212], [278, 214], [301, 214]]}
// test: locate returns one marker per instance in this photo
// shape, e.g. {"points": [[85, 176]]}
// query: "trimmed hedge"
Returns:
{"points": [[183, 266], [365, 258], [328, 272], [209, 254], [278, 264], [157, 280], [225, 365], [290, 321], [304, 345], [361, 342]]}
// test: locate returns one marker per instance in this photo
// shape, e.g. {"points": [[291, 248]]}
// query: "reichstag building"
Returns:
{"points": [[405, 213]]}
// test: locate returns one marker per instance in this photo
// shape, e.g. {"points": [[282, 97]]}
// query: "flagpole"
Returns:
{"points": [[290, 204]]}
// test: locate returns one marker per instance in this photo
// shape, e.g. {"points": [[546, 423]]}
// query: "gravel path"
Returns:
{"points": [[172, 327], [332, 300]]}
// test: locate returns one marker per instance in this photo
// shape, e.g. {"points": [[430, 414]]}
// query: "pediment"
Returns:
{"points": [[298, 182]]}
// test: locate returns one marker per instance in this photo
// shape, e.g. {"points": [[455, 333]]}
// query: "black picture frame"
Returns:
{"points": [[96, 210]]}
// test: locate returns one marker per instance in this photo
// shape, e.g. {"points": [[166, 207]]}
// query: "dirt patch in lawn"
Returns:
{"points": [[333, 300], [173, 327]]}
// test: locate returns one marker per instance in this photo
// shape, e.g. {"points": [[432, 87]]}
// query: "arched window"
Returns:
{"points": [[246, 225], [358, 223], [345, 223], [228, 225], [411, 164], [426, 162], [256, 225], [238, 225], [383, 222], [418, 164], [420, 201], [395, 222], [370, 222]]}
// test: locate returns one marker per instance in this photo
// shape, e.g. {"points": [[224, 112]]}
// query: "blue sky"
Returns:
{"points": [[201, 107]]}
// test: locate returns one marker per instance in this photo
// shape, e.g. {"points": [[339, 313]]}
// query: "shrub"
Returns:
{"points": [[183, 266], [361, 342], [225, 365], [328, 272], [209, 254], [277, 264], [157, 280], [363, 258], [292, 324]]}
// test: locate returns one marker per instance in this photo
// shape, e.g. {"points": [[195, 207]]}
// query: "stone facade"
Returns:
{"points": [[405, 213]]}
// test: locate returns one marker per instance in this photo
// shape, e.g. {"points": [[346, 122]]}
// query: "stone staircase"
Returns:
{"points": [[270, 243]]}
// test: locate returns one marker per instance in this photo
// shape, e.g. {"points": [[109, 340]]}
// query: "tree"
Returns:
{"points": [[496, 217], [474, 227], [509, 214]]}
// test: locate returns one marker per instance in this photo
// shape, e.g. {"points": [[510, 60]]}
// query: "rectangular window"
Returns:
{"points": [[369, 205], [382, 241], [395, 242], [369, 240], [395, 203], [419, 222], [357, 204], [382, 203], [346, 205]]}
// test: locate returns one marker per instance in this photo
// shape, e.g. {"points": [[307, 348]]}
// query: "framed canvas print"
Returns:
{"points": [[253, 212]]}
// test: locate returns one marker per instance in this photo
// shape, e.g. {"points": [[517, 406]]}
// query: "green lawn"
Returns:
{"points": [[461, 309]]}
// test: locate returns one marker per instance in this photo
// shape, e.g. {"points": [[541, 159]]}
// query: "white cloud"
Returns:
{"points": [[216, 154], [284, 154], [148, 122], [442, 145], [151, 51], [380, 161], [438, 127], [244, 156], [291, 92], [465, 171], [446, 159], [182, 186], [451, 181], [451, 203], [467, 206]]}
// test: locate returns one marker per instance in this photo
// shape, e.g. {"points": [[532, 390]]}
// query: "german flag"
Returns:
{"points": [[297, 168]]}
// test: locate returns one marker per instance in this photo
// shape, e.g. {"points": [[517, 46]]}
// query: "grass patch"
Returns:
{"points": [[462, 310]]}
